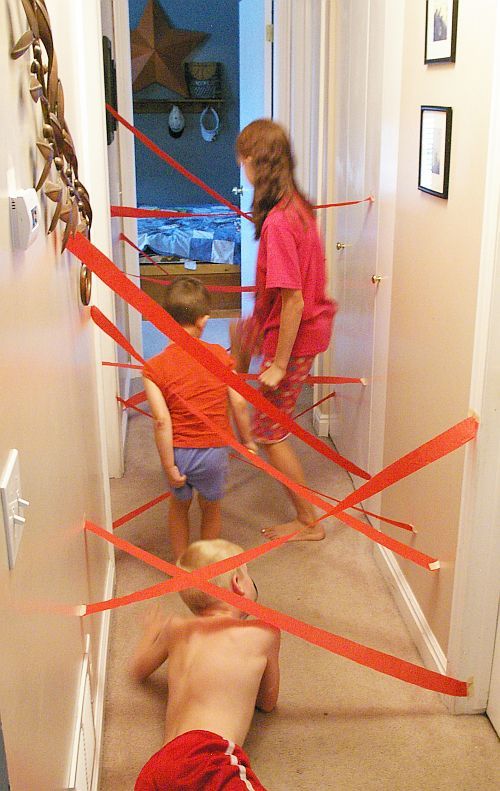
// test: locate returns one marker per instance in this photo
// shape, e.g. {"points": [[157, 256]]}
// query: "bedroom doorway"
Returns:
{"points": [[186, 100], [220, 251]]}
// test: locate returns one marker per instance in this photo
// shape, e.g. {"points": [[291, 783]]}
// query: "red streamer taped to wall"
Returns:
{"points": [[429, 452], [450, 440], [101, 265], [176, 165], [409, 553], [157, 280], [137, 511], [120, 210], [363, 655], [133, 211], [394, 522], [172, 214]]}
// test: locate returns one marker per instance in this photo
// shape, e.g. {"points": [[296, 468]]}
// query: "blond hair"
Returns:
{"points": [[204, 553]]}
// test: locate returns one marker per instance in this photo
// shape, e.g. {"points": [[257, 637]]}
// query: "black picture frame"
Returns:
{"points": [[435, 148], [440, 31]]}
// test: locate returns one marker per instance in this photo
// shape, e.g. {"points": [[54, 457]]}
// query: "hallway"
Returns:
{"points": [[337, 725]]}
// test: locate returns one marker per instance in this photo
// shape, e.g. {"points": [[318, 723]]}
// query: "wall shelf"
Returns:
{"points": [[165, 105]]}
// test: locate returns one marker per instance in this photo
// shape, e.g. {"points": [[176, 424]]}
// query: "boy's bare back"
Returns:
{"points": [[219, 669]]}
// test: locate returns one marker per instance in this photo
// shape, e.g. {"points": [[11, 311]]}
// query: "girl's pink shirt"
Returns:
{"points": [[291, 256]]}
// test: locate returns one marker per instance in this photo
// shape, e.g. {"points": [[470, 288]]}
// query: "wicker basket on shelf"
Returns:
{"points": [[204, 80]]}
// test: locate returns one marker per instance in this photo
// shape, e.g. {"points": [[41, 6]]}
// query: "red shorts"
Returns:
{"points": [[198, 761], [264, 429]]}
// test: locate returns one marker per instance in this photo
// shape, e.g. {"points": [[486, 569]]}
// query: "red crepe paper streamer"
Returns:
{"points": [[124, 238], [221, 289], [215, 289], [394, 522], [313, 406], [173, 163], [109, 328], [138, 213], [133, 211], [137, 511], [363, 655], [138, 398], [430, 451], [123, 365], [316, 380], [194, 179], [137, 409], [409, 553], [369, 199], [98, 263]]}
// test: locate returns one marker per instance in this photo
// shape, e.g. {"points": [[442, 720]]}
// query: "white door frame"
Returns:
{"points": [[121, 25], [256, 85], [477, 569]]}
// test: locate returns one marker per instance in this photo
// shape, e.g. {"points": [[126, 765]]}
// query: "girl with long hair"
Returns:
{"points": [[293, 317]]}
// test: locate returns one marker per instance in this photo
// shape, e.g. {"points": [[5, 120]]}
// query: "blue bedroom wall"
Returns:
{"points": [[157, 183]]}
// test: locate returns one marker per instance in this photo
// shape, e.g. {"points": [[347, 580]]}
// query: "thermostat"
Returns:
{"points": [[24, 218]]}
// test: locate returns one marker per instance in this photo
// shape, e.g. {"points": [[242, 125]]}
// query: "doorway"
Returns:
{"points": [[236, 40]]}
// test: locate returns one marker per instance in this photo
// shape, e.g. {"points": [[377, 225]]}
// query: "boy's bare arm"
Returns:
{"points": [[153, 647], [239, 410], [267, 695], [163, 432]]}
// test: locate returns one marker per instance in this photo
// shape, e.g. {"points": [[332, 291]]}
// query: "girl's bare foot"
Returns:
{"points": [[314, 533]]}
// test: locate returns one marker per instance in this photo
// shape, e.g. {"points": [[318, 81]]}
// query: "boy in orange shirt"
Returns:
{"points": [[192, 455]]}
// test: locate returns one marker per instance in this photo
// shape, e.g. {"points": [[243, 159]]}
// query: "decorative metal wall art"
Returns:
{"points": [[158, 50], [59, 176]]}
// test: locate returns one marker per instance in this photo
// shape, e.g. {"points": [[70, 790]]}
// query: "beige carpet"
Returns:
{"points": [[337, 725]]}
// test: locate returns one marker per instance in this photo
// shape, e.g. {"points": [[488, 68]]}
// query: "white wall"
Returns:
{"points": [[52, 413], [434, 293]]}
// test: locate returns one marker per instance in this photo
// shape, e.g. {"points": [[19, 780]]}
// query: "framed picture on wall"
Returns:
{"points": [[441, 31], [435, 144]]}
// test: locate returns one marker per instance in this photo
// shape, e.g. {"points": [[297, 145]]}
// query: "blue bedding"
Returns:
{"points": [[212, 239]]}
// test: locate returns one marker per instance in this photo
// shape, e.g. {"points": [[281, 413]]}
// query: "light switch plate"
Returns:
{"points": [[10, 491]]}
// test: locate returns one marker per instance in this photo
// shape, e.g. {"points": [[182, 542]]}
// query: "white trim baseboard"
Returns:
{"points": [[428, 647], [98, 703], [321, 422]]}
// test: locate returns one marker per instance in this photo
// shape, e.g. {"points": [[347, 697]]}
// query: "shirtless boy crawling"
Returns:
{"points": [[220, 667]]}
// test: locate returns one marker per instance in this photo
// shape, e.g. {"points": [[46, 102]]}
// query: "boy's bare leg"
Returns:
{"points": [[178, 525], [283, 457], [211, 522]]}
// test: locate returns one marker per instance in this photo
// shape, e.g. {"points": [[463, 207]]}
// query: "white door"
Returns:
{"points": [[367, 100], [255, 102], [355, 261]]}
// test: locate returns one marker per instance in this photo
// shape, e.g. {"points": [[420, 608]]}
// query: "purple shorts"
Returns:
{"points": [[206, 470]]}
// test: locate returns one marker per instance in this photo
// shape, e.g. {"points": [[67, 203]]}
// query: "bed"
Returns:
{"points": [[214, 239], [207, 247]]}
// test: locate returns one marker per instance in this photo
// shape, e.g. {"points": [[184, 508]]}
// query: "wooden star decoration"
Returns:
{"points": [[158, 51]]}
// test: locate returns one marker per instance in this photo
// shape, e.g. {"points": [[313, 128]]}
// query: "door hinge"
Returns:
{"points": [[270, 33]]}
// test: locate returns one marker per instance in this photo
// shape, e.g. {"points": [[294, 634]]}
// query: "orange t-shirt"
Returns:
{"points": [[174, 371]]}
